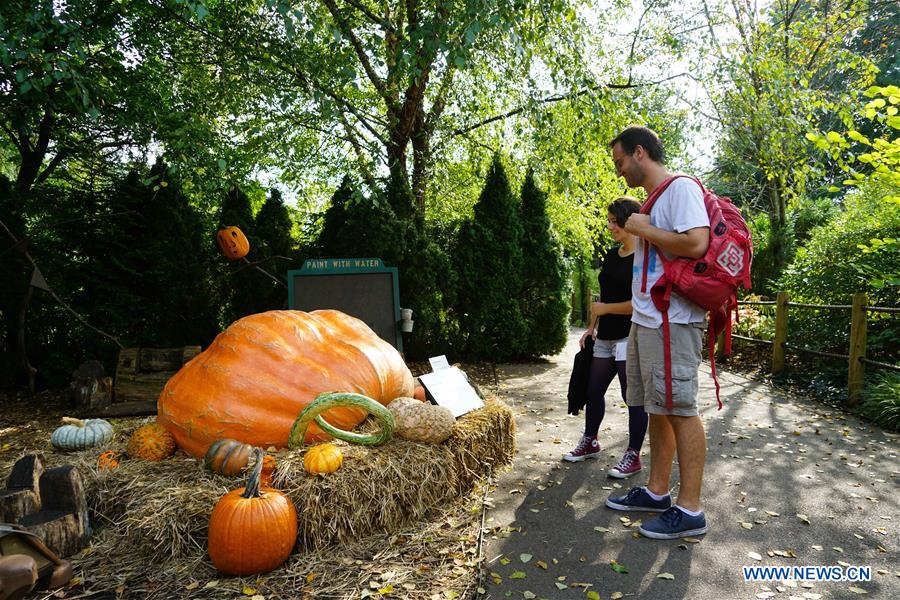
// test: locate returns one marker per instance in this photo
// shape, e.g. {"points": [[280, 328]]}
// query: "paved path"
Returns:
{"points": [[795, 482]]}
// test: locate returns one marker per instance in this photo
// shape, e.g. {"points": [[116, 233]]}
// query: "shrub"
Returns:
{"points": [[545, 286], [488, 259], [840, 260], [881, 401]]}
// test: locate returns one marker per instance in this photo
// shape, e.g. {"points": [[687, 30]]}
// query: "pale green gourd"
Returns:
{"points": [[346, 399], [79, 435]]}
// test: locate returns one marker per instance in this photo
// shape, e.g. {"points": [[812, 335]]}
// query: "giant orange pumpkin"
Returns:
{"points": [[256, 377], [233, 242]]}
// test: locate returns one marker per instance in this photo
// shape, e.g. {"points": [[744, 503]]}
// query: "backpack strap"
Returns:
{"points": [[664, 310], [646, 207]]}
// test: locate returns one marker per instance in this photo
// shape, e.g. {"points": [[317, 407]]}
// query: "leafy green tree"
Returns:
{"points": [[488, 258], [777, 74], [544, 296], [390, 88]]}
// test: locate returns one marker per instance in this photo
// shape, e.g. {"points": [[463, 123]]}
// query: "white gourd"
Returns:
{"points": [[76, 434]]}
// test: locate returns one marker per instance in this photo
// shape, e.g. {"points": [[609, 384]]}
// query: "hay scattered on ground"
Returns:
{"points": [[395, 514]]}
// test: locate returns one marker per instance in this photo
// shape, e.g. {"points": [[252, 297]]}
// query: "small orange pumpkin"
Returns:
{"points": [[323, 458], [108, 460], [252, 530], [419, 393], [233, 243], [228, 457], [151, 442], [268, 470]]}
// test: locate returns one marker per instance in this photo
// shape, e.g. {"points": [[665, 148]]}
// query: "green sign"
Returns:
{"points": [[361, 287]]}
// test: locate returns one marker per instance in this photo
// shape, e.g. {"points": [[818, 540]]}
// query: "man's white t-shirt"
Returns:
{"points": [[679, 208]]}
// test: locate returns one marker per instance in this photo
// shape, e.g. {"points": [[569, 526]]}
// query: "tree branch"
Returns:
{"points": [[387, 25], [358, 48], [560, 98]]}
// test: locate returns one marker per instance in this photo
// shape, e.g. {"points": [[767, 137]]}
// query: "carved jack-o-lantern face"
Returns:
{"points": [[233, 243]]}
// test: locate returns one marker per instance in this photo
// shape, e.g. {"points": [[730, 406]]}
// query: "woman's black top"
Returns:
{"points": [[615, 286]]}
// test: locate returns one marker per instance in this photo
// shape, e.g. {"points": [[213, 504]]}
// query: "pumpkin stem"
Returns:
{"points": [[72, 421], [251, 490]]}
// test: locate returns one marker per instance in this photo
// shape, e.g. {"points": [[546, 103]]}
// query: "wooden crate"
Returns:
{"points": [[143, 372]]}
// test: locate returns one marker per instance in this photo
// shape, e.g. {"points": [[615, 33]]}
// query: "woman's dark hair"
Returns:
{"points": [[623, 207], [640, 136]]}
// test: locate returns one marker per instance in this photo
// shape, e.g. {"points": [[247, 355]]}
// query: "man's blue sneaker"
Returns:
{"points": [[637, 498], [674, 523]]}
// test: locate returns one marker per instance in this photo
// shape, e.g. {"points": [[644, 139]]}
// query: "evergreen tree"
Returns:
{"points": [[274, 246], [488, 258], [426, 278], [144, 267], [545, 285], [239, 283], [359, 227], [355, 226]]}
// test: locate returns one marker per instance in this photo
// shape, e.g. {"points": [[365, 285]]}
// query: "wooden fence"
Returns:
{"points": [[856, 356]]}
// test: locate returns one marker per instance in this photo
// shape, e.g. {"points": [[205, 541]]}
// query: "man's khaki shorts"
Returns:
{"points": [[645, 367]]}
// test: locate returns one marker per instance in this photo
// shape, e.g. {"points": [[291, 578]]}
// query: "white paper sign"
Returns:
{"points": [[449, 387], [439, 363], [621, 350]]}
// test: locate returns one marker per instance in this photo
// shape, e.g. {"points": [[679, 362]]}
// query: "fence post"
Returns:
{"points": [[781, 323], [857, 369]]}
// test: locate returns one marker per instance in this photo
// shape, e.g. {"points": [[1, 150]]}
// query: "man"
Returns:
{"points": [[677, 225]]}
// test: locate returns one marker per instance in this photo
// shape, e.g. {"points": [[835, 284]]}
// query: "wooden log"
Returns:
{"points": [[15, 504], [141, 408], [129, 361], [141, 387], [21, 495], [166, 359], [63, 533], [143, 372], [25, 474], [63, 523], [63, 489]]}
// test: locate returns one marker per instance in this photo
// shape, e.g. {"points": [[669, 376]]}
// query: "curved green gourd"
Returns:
{"points": [[332, 399], [78, 435]]}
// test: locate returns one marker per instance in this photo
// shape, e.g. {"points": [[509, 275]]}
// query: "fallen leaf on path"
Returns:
{"points": [[857, 590], [525, 557], [517, 575], [665, 576], [618, 568], [755, 555], [803, 518]]}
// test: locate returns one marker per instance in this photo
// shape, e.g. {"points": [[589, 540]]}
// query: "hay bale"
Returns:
{"points": [[160, 511]]}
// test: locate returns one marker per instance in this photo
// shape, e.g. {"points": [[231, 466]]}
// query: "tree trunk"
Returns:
{"points": [[421, 162], [22, 348]]}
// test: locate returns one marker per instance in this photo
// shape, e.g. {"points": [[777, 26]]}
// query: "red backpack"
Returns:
{"points": [[710, 282]]}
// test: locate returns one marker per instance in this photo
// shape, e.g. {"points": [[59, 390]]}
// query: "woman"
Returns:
{"points": [[612, 322]]}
